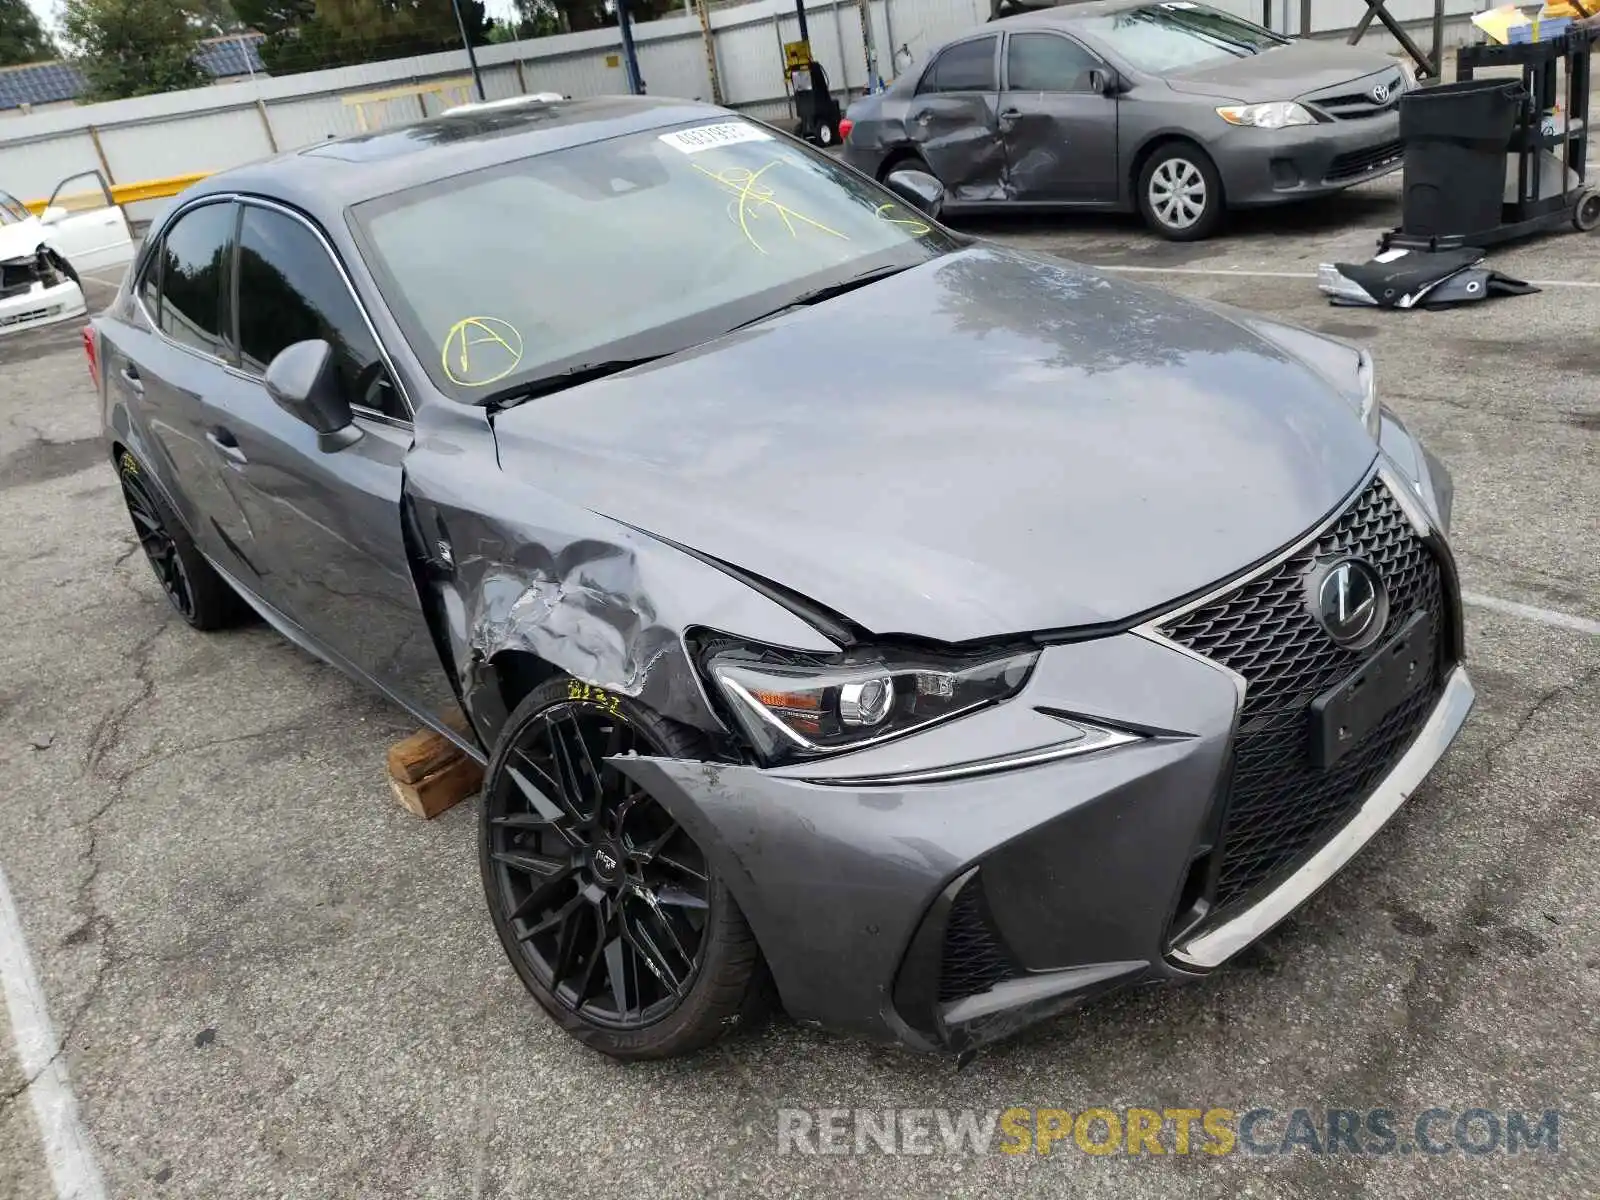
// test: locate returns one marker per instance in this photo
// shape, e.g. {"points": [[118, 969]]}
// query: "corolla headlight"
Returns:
{"points": [[794, 705], [1274, 115]]}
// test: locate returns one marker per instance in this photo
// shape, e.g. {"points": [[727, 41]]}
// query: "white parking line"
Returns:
{"points": [[66, 1144], [1231, 273], [1545, 616]]}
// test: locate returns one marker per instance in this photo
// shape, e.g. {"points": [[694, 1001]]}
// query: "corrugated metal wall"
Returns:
{"points": [[209, 129]]}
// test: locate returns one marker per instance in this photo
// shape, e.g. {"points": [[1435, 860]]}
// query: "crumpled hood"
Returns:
{"points": [[21, 240], [988, 444], [1283, 73]]}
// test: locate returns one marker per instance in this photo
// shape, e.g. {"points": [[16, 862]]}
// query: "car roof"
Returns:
{"points": [[1067, 12], [330, 176]]}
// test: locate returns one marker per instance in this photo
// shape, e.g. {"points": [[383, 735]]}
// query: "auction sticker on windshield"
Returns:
{"points": [[709, 137]]}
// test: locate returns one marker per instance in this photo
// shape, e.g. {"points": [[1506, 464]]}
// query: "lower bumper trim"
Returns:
{"points": [[1215, 946]]}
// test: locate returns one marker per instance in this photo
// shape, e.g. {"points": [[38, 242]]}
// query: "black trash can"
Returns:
{"points": [[1456, 139]]}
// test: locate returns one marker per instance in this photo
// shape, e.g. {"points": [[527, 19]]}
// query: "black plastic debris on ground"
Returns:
{"points": [[1417, 279]]}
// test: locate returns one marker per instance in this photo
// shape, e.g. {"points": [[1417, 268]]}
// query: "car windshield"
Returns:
{"points": [[622, 249], [1163, 38]]}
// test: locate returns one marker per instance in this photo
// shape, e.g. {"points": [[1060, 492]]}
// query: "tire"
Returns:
{"points": [[193, 588], [548, 848], [1586, 213], [903, 162], [827, 134], [1184, 174]]}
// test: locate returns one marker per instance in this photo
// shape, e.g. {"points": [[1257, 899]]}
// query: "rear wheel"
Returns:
{"points": [[611, 913], [903, 162], [1180, 193], [200, 596]]}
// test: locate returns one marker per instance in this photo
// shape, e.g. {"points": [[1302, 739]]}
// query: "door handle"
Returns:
{"points": [[226, 444], [130, 376]]}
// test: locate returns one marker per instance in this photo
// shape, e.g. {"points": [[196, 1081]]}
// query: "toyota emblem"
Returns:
{"points": [[1349, 601], [1380, 94]]}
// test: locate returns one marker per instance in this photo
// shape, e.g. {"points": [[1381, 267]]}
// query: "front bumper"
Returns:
{"points": [[1261, 166], [41, 305], [949, 912]]}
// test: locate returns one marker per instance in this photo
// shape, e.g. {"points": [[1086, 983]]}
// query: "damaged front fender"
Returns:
{"points": [[512, 571]]}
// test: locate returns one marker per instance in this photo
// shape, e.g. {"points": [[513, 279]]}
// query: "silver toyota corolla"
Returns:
{"points": [[1051, 634], [1175, 110]]}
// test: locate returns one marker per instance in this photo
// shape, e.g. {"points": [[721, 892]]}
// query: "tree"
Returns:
{"points": [[537, 18], [135, 47], [307, 35], [22, 38]]}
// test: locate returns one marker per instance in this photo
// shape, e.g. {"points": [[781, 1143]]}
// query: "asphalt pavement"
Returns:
{"points": [[269, 980]]}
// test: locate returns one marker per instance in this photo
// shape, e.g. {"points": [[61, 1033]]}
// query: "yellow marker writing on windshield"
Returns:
{"points": [[755, 197], [913, 226], [479, 351]]}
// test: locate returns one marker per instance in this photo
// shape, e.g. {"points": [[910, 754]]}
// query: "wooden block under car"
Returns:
{"points": [[444, 788], [414, 758], [429, 773]]}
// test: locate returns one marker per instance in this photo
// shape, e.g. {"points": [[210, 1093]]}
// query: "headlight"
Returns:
{"points": [[794, 705], [1274, 115], [1371, 414]]}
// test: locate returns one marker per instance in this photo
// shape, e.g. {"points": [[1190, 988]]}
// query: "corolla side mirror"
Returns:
{"points": [[918, 189], [304, 381], [1105, 81], [52, 214]]}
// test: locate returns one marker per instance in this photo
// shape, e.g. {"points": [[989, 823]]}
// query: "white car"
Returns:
{"points": [[42, 257]]}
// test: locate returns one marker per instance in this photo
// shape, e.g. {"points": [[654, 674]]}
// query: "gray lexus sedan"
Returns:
{"points": [[1172, 109], [1048, 635]]}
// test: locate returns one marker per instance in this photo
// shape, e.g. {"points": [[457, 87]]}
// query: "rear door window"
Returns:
{"points": [[964, 67], [194, 268]]}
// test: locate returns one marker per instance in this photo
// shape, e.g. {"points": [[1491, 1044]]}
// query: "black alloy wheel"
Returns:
{"points": [[201, 596], [608, 909], [158, 544]]}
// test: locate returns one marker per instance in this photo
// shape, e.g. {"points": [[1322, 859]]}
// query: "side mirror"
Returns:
{"points": [[918, 189], [52, 214], [1104, 81], [303, 380]]}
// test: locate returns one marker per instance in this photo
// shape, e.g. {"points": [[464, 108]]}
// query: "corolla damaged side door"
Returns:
{"points": [[1057, 124], [953, 120]]}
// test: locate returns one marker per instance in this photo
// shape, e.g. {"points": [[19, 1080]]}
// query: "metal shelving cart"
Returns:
{"points": [[1533, 211]]}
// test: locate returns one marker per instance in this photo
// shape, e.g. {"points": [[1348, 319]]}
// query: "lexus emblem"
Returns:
{"points": [[1349, 601], [1380, 94]]}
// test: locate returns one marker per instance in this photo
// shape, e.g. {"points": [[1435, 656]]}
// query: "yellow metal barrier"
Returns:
{"points": [[128, 193]]}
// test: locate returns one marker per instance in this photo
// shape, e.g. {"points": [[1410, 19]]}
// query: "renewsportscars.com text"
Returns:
{"points": [[1196, 1131]]}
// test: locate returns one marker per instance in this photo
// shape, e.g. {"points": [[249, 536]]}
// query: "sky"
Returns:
{"points": [[47, 11]]}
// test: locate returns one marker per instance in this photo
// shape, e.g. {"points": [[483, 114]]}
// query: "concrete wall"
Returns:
{"points": [[226, 124]]}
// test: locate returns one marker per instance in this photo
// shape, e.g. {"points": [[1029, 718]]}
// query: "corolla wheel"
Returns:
{"points": [[158, 544], [1180, 193], [609, 911]]}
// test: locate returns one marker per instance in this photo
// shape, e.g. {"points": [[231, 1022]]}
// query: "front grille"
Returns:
{"points": [[1356, 163], [1355, 102], [973, 959], [1281, 807]]}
